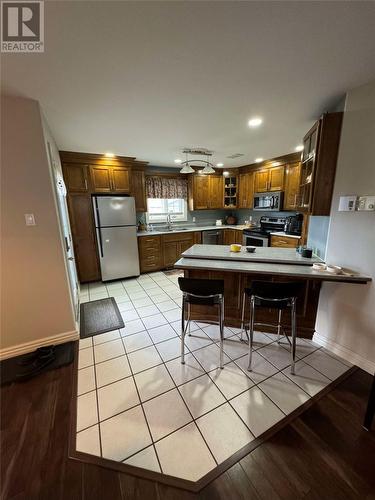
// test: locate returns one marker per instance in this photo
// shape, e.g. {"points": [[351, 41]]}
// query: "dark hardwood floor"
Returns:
{"points": [[323, 454]]}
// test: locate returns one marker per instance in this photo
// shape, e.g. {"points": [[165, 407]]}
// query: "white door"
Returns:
{"points": [[60, 190]]}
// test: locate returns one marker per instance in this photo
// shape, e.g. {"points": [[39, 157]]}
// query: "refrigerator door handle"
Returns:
{"points": [[99, 232], [98, 229]]}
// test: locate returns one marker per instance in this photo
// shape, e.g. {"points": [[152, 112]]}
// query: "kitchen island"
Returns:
{"points": [[238, 270]]}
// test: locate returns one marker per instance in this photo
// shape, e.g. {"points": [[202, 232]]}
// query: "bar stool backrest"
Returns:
{"points": [[275, 289], [201, 287]]}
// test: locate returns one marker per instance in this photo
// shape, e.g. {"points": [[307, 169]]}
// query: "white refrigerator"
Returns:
{"points": [[116, 234]]}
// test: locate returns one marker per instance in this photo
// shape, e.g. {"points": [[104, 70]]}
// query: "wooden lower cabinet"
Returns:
{"points": [[234, 284], [150, 256], [284, 242], [232, 236], [84, 240], [174, 245], [160, 252]]}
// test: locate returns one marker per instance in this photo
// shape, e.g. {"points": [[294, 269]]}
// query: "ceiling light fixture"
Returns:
{"points": [[225, 173], [220, 165], [255, 122], [186, 169], [208, 169], [186, 165], [177, 160], [258, 160], [109, 155], [300, 147]]}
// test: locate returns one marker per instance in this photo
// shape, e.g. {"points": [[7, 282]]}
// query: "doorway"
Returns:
{"points": [[60, 191]]}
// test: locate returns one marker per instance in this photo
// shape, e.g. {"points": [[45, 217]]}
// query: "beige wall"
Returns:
{"points": [[35, 297], [346, 315]]}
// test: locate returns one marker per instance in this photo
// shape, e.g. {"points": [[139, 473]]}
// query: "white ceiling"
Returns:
{"points": [[146, 79]]}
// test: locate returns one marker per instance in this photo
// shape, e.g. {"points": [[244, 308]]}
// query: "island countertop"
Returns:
{"points": [[270, 268], [273, 255]]}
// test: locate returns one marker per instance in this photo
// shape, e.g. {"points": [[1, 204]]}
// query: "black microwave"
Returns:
{"points": [[269, 201]]}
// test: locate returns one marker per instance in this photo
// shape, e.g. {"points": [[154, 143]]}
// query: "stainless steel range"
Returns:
{"points": [[260, 236]]}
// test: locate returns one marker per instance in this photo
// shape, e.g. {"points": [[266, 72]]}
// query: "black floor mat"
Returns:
{"points": [[15, 369], [100, 316]]}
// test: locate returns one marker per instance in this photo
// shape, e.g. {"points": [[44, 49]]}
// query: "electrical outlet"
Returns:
{"points": [[30, 220]]}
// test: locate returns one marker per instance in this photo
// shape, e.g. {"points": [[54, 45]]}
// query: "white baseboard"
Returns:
{"points": [[17, 350], [347, 354]]}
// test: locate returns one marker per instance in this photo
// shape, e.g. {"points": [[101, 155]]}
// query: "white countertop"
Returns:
{"points": [[193, 229], [262, 254], [281, 233], [279, 269]]}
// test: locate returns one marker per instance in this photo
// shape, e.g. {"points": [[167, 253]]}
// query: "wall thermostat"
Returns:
{"points": [[366, 203]]}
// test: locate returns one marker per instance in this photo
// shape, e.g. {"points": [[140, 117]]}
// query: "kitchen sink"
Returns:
{"points": [[170, 230]]}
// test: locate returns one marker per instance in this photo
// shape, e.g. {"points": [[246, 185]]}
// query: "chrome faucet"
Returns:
{"points": [[169, 222]]}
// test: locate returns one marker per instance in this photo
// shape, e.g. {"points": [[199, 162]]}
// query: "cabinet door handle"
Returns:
{"points": [[85, 183]]}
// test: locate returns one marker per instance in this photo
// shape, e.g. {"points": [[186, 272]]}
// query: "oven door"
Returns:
{"points": [[255, 240]]}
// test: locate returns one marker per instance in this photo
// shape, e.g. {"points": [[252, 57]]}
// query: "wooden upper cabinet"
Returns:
{"points": [[75, 177], [269, 179], [100, 179], [110, 179], [318, 167], [200, 192], [276, 179], [120, 180], [246, 190], [291, 195], [215, 191], [261, 181], [138, 190]]}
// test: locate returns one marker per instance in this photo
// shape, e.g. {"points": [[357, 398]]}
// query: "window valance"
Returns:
{"points": [[166, 187]]}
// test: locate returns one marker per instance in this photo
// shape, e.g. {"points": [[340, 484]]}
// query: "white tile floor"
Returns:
{"points": [[139, 405]]}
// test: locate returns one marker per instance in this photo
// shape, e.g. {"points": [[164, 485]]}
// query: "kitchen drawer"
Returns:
{"points": [[150, 261], [284, 242], [178, 237], [149, 242]]}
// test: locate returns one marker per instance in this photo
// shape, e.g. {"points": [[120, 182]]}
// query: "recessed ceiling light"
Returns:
{"points": [[109, 155], [299, 147], [255, 122], [220, 164], [258, 160], [177, 160]]}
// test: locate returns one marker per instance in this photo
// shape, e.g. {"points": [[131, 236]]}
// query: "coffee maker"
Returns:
{"points": [[293, 224]]}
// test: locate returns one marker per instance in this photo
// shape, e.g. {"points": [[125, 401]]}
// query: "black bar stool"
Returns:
{"points": [[271, 295], [204, 293]]}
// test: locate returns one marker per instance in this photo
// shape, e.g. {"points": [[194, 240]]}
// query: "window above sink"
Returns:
{"points": [[158, 209]]}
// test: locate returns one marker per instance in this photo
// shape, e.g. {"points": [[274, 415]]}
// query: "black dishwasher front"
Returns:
{"points": [[212, 237]]}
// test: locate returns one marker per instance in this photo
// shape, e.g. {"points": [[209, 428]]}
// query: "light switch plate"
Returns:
{"points": [[30, 220], [347, 203]]}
